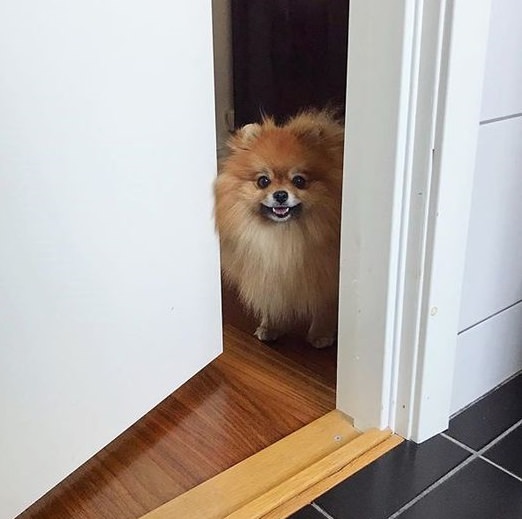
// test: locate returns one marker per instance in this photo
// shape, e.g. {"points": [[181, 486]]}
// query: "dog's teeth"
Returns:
{"points": [[280, 211]]}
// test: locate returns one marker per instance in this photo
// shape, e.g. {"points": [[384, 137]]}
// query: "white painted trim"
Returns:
{"points": [[381, 43], [464, 55], [424, 91], [405, 214]]}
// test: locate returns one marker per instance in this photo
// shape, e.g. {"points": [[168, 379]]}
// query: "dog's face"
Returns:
{"points": [[280, 193], [277, 175]]}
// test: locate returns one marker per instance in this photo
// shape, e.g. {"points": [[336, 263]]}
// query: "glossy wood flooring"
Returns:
{"points": [[248, 398]]}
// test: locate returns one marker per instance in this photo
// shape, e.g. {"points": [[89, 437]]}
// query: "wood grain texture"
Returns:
{"points": [[258, 475], [299, 500], [285, 476], [310, 476], [247, 399]]}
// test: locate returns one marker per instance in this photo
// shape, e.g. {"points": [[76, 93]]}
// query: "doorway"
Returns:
{"points": [[277, 58], [287, 55]]}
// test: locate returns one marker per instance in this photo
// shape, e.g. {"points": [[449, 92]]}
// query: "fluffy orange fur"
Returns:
{"points": [[285, 266]]}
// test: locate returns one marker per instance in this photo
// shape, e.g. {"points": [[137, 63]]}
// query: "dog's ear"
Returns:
{"points": [[317, 128], [309, 127], [244, 137]]}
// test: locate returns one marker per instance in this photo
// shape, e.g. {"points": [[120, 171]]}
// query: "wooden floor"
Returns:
{"points": [[286, 476], [247, 399]]}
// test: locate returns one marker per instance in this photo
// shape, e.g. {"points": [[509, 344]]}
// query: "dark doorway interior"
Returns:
{"points": [[288, 55]]}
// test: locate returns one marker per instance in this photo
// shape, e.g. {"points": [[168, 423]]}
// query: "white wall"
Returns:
{"points": [[490, 342], [109, 276]]}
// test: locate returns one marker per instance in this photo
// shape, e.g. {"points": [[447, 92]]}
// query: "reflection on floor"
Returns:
{"points": [[248, 398]]}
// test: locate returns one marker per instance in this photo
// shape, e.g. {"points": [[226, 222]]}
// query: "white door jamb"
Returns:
{"points": [[415, 72]]}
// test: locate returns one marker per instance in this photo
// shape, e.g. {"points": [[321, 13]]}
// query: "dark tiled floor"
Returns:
{"points": [[486, 419], [472, 471]]}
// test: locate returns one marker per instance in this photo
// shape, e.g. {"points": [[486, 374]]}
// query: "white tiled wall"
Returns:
{"points": [[490, 343], [503, 81], [493, 274], [486, 356]]}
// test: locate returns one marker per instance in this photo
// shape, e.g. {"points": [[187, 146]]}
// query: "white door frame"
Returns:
{"points": [[415, 71]]}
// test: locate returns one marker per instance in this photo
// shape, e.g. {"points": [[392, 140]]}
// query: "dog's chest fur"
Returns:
{"points": [[278, 271]]}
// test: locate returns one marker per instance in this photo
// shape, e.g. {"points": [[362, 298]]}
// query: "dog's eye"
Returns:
{"points": [[263, 182], [299, 182]]}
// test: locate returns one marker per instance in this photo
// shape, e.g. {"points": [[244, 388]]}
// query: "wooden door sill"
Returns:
{"points": [[285, 476]]}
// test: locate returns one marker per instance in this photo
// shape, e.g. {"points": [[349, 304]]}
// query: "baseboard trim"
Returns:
{"points": [[285, 476]]}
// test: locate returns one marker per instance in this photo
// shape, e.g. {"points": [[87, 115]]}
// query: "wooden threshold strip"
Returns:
{"points": [[282, 478]]}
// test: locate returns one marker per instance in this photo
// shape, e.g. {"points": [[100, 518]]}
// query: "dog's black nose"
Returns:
{"points": [[280, 196]]}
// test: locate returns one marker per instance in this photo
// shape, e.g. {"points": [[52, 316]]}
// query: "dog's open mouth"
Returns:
{"points": [[280, 213]]}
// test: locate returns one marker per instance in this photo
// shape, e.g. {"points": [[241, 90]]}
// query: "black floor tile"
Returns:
{"points": [[489, 417], [508, 452], [387, 484], [478, 491], [308, 512]]}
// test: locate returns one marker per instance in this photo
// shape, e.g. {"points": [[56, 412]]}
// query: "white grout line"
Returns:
{"points": [[321, 511], [500, 468], [494, 442], [474, 456], [437, 483], [500, 437], [460, 444]]}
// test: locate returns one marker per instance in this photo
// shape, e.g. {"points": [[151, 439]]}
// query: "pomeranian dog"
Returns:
{"points": [[278, 212]]}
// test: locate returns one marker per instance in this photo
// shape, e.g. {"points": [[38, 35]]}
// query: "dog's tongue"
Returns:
{"points": [[280, 211]]}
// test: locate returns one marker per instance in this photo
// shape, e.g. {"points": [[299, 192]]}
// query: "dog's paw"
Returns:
{"points": [[266, 334], [321, 342]]}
